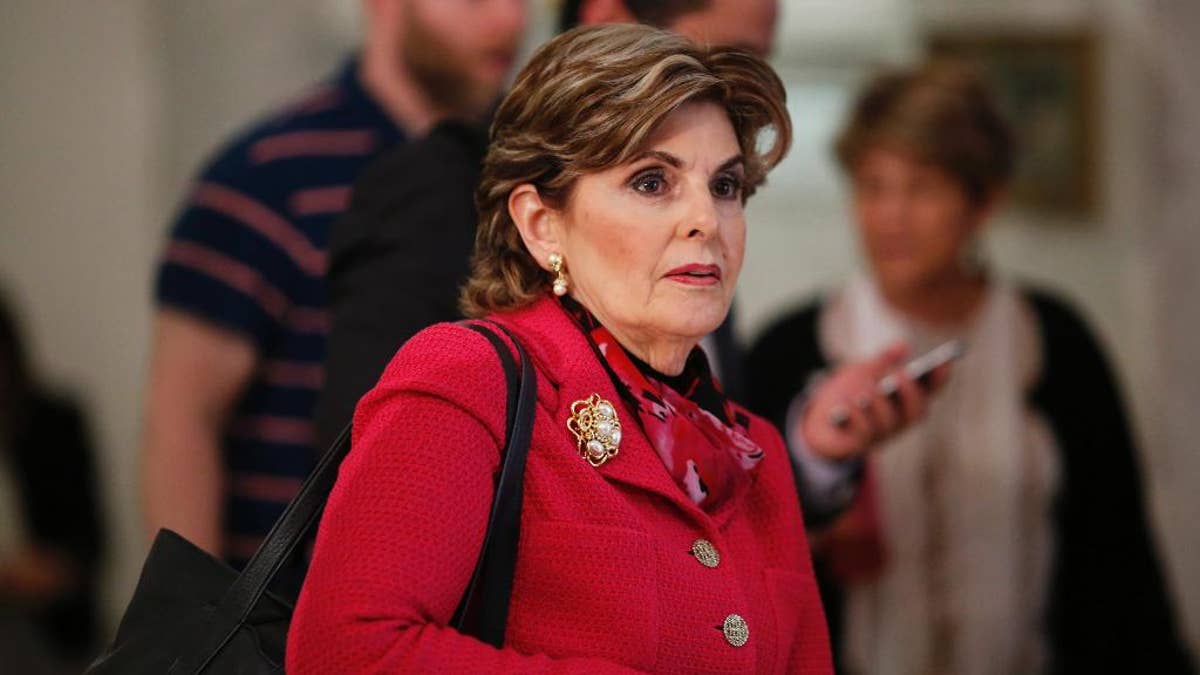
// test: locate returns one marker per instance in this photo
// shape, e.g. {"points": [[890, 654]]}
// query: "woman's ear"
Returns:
{"points": [[538, 223]]}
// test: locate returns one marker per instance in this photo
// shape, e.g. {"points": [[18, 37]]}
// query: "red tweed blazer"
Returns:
{"points": [[606, 580]]}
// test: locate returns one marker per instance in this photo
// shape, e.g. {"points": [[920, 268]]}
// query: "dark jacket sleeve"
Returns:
{"points": [[397, 260], [1110, 610]]}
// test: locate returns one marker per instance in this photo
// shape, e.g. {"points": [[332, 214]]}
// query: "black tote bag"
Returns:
{"points": [[191, 613]]}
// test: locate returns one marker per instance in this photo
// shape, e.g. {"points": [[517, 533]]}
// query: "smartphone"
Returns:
{"points": [[919, 369]]}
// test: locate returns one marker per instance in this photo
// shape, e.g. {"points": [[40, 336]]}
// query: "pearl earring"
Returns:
{"points": [[560, 278]]}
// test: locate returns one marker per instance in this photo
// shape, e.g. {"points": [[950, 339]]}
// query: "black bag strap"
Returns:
{"points": [[492, 581], [486, 601]]}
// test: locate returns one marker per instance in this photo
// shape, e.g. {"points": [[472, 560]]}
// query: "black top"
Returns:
{"points": [[53, 466], [397, 259], [1108, 610]]}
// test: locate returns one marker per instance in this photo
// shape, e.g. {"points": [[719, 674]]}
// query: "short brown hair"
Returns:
{"points": [[941, 113], [589, 100]]}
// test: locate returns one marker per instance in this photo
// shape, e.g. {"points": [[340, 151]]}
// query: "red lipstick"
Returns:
{"points": [[695, 274]]}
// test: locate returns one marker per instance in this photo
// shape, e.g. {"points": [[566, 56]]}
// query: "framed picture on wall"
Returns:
{"points": [[1047, 84]]}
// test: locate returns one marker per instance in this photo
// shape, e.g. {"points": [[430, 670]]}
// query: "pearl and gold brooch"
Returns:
{"points": [[597, 430]]}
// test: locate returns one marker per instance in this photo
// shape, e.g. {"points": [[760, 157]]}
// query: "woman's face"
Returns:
{"points": [[915, 219], [654, 247]]}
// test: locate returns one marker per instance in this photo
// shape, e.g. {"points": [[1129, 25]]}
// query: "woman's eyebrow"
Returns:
{"points": [[731, 162], [660, 155], [673, 161]]}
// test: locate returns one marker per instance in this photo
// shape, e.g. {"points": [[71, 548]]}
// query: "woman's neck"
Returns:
{"points": [[666, 357], [666, 354], [949, 301]]}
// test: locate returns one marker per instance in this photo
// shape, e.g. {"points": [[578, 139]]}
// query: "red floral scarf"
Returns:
{"points": [[701, 436]]}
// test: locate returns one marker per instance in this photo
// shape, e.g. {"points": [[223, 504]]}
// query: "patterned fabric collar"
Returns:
{"points": [[686, 417]]}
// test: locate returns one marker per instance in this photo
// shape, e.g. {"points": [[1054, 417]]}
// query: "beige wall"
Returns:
{"points": [[1172, 246], [108, 107]]}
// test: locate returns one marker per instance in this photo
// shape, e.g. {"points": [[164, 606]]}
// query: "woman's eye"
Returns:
{"points": [[727, 188], [651, 184]]}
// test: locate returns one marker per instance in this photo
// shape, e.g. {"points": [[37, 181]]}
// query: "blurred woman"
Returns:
{"points": [[1005, 533], [51, 530]]}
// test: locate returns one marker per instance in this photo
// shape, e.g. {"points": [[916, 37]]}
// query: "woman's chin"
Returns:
{"points": [[692, 320], [904, 277]]}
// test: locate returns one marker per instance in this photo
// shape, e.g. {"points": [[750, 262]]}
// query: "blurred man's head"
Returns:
{"points": [[749, 24], [458, 53]]}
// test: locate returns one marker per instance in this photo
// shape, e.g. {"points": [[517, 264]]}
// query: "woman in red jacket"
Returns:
{"points": [[610, 240]]}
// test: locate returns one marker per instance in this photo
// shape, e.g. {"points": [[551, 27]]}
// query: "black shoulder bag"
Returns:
{"points": [[191, 613]]}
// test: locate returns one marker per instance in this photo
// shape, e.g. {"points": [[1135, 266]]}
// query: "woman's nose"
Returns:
{"points": [[893, 209], [702, 219]]}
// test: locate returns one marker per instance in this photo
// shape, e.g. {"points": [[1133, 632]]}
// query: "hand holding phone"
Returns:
{"points": [[920, 370]]}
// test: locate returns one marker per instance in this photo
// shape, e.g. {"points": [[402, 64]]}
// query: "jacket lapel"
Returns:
{"points": [[636, 464]]}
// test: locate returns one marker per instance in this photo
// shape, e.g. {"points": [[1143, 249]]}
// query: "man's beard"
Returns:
{"points": [[443, 74]]}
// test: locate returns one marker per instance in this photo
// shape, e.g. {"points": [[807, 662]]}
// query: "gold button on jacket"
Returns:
{"points": [[706, 553], [737, 633]]}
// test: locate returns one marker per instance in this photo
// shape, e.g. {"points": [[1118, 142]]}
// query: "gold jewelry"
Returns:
{"points": [[597, 430], [737, 633], [560, 278]]}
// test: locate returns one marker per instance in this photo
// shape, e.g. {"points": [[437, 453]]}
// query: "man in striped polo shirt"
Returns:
{"points": [[241, 323]]}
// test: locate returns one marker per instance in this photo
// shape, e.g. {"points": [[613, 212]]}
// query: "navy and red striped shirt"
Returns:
{"points": [[248, 253]]}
